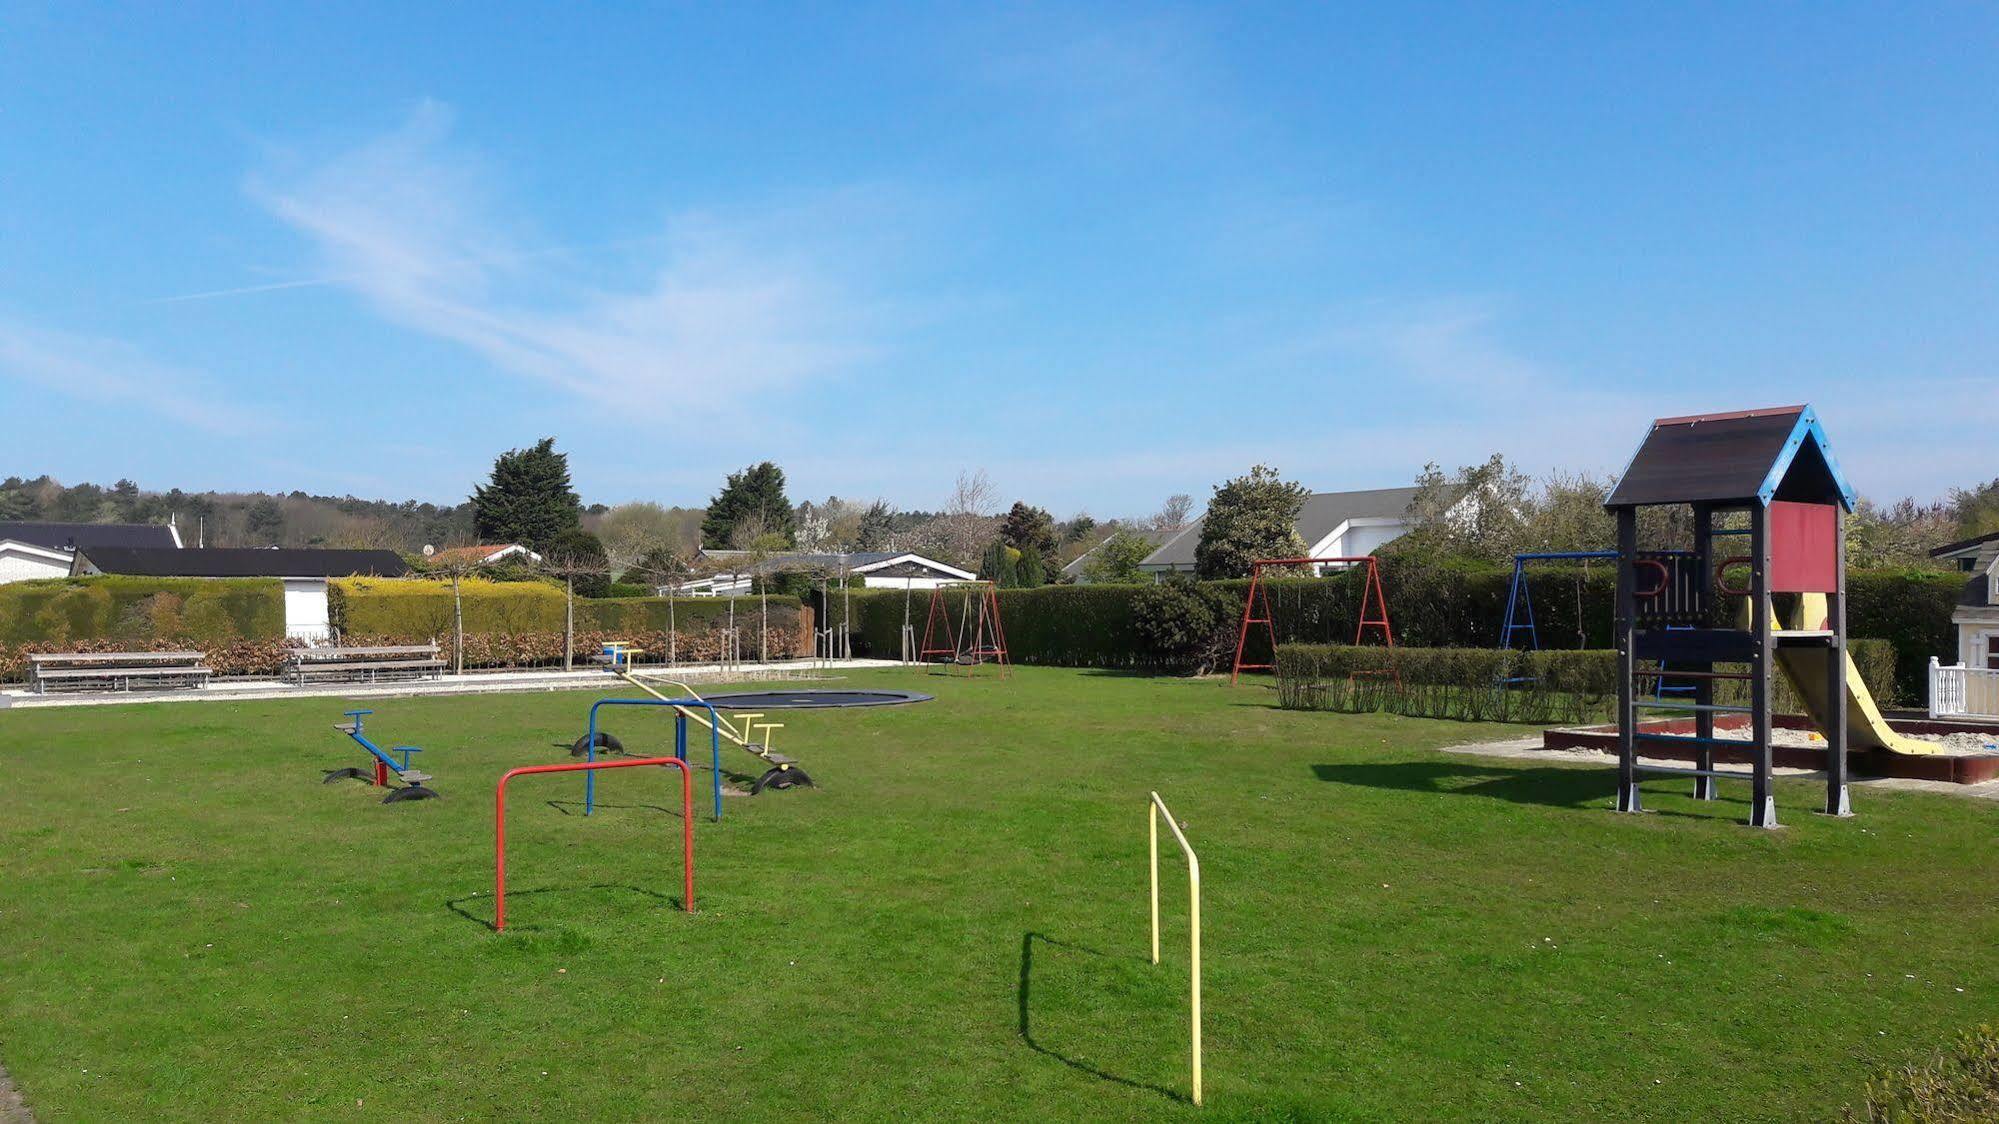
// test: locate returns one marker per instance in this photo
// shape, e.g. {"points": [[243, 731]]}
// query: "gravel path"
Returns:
{"points": [[13, 1110]]}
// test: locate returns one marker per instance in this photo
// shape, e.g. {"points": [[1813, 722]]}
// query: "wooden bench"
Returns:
{"points": [[398, 661], [115, 671]]}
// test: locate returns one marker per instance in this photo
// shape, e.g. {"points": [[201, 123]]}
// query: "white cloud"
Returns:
{"points": [[100, 369], [410, 223]]}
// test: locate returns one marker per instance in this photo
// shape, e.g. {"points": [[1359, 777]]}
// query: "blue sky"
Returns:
{"points": [[1104, 253]]}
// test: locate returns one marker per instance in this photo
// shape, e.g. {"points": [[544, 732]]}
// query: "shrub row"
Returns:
{"points": [[1193, 626], [1495, 685], [520, 624], [239, 622], [1471, 684], [1059, 626], [69, 611], [230, 657]]}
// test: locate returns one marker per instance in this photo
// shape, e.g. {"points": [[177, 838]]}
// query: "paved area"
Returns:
{"points": [[470, 683], [13, 1110], [1529, 749]]}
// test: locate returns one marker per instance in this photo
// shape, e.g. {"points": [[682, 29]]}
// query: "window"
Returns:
{"points": [[1967, 564]]}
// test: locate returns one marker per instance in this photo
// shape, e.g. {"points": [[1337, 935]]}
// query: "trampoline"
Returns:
{"points": [[812, 700]]}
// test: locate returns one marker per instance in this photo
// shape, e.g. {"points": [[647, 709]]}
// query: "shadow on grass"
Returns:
{"points": [[1555, 787], [575, 807], [458, 905], [1024, 995]]}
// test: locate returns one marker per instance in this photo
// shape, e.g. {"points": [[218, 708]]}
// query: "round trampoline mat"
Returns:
{"points": [[812, 700]]}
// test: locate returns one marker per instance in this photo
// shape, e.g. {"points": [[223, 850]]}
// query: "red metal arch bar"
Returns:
{"points": [[500, 822]]}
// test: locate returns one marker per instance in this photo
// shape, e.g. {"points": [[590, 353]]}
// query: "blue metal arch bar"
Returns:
{"points": [[680, 706]]}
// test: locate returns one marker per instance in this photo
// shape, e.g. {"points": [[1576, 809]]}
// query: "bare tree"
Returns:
{"points": [[663, 567], [1172, 515], [570, 566], [457, 568], [974, 494]]}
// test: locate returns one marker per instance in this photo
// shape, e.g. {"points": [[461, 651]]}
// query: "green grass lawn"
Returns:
{"points": [[954, 925]]}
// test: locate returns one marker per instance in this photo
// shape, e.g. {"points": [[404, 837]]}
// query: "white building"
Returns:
{"points": [[1331, 525], [732, 572], [1977, 612], [47, 550]]}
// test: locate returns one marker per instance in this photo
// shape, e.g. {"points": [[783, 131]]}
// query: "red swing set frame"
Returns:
{"points": [[987, 642], [1372, 594]]}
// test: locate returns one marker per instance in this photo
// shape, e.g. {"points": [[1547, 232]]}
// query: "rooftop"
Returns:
{"points": [[71, 536], [245, 562], [1321, 516], [1747, 456]]}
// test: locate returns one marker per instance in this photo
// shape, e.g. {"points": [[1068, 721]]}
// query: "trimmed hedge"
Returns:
{"points": [[1911, 608], [240, 622], [1461, 683], [1432, 605], [1054, 625], [519, 624], [216, 611], [1473, 683]]}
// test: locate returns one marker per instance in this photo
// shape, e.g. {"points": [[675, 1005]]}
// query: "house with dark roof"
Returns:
{"points": [[1977, 613], [304, 573], [47, 550], [731, 573], [1331, 525]]}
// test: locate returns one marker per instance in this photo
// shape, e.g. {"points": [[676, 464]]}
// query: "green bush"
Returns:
{"points": [[1470, 684], [209, 611], [1431, 605], [1912, 609], [520, 624], [240, 622], [1179, 622], [1959, 1084], [1491, 684], [1057, 625]]}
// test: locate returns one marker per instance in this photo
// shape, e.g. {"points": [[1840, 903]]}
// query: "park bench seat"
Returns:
{"points": [[83, 671], [370, 663]]}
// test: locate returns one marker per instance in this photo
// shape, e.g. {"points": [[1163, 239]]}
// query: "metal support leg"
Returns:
{"points": [[1763, 799], [1704, 786]]}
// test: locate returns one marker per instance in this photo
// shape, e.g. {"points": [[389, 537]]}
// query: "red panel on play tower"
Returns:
{"points": [[1804, 547]]}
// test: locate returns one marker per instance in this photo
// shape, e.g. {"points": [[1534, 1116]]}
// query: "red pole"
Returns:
{"points": [[1248, 605], [500, 822]]}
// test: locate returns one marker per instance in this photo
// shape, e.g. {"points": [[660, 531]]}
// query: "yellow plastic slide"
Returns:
{"points": [[1805, 668]]}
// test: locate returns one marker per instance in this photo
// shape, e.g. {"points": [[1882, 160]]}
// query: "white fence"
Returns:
{"points": [[1963, 692]]}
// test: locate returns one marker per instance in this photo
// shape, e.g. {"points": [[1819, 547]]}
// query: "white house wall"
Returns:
{"points": [[1366, 538], [869, 581], [306, 615], [18, 565]]}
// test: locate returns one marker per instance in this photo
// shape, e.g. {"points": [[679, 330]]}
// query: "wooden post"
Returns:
{"points": [[1837, 802], [1627, 661], [457, 626], [568, 622], [1763, 801], [1704, 786]]}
